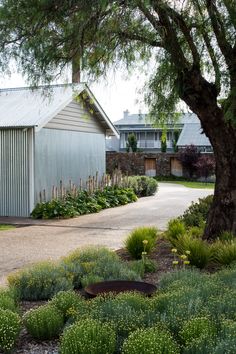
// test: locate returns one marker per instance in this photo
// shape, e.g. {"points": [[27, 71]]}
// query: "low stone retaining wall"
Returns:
{"points": [[134, 163]]}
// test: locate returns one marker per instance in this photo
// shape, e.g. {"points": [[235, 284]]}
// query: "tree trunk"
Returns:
{"points": [[201, 97]]}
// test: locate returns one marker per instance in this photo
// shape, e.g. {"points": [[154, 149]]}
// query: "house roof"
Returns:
{"points": [[192, 134], [142, 119], [24, 107]]}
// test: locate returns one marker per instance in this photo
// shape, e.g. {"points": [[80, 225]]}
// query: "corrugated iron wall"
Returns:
{"points": [[66, 155], [14, 172]]}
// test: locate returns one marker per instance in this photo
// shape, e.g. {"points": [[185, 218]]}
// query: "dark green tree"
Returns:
{"points": [[192, 51], [132, 143]]}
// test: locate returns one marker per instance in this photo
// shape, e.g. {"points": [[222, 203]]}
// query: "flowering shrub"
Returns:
{"points": [[88, 337], [149, 341], [197, 328], [68, 301], [10, 325], [45, 322]]}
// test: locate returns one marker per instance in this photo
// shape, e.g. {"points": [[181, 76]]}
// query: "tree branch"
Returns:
{"points": [[167, 33], [180, 22], [139, 37], [219, 31]]}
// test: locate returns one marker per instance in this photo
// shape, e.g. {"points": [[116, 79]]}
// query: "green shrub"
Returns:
{"points": [[68, 302], [134, 242], [88, 337], [56, 208], [196, 214], [201, 345], [227, 276], [143, 186], [137, 266], [174, 307], [187, 277], [90, 279], [176, 229], [8, 300], [45, 322], [126, 312], [90, 254], [99, 264], [150, 341], [196, 231], [72, 271], [150, 266], [195, 328], [10, 325], [40, 281], [223, 305], [83, 203]]}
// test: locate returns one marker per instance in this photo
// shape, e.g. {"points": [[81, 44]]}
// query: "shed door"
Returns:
{"points": [[150, 167], [176, 167], [14, 172]]}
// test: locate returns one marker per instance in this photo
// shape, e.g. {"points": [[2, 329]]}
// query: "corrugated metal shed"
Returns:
{"points": [[192, 134], [24, 107]]}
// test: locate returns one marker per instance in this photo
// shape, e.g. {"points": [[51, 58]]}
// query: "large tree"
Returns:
{"points": [[190, 45]]}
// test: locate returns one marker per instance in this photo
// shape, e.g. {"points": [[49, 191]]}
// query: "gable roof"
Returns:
{"points": [[24, 107], [192, 134], [142, 119]]}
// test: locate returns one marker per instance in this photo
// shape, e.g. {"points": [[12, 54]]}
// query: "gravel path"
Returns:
{"points": [[50, 239]]}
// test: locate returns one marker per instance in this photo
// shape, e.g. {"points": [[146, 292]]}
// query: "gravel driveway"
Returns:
{"points": [[51, 239]]}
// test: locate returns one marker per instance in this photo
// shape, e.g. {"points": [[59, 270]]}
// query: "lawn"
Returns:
{"points": [[193, 184], [4, 227]]}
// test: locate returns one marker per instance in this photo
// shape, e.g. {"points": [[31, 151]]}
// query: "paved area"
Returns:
{"points": [[50, 239]]}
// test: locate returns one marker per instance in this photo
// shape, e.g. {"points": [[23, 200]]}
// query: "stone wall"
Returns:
{"points": [[134, 163]]}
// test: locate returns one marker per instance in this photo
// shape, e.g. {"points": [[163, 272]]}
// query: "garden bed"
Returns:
{"points": [[162, 255]]}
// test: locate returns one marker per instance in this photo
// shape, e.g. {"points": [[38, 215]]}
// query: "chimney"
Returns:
{"points": [[76, 70], [126, 114]]}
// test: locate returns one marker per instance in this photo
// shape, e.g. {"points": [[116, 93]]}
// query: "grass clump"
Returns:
{"points": [[149, 341], [10, 326], [176, 229], [40, 281], [200, 251], [88, 337], [224, 252], [135, 241], [43, 323]]}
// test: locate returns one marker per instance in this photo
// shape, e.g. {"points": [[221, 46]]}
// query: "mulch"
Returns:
{"points": [[27, 345]]}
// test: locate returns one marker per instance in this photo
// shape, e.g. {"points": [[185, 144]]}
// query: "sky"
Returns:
{"points": [[115, 94]]}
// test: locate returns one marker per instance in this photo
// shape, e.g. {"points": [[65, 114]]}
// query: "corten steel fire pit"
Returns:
{"points": [[118, 286]]}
